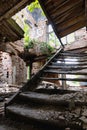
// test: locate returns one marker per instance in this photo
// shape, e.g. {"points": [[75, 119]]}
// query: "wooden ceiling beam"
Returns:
{"points": [[72, 28], [47, 2], [71, 22], [8, 32], [15, 27], [51, 5], [69, 5], [20, 5], [72, 13]]}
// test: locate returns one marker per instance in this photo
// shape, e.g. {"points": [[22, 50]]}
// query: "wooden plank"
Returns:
{"points": [[14, 9], [75, 12], [72, 57], [15, 27], [51, 4], [57, 100], [58, 10], [78, 50], [70, 52], [67, 67], [73, 54], [8, 32], [45, 115], [80, 72], [47, 2], [72, 28], [56, 5], [68, 64], [70, 60], [66, 79], [11, 30], [70, 22], [54, 91]]}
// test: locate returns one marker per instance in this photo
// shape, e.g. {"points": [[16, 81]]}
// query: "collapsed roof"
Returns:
{"points": [[66, 16], [9, 30]]}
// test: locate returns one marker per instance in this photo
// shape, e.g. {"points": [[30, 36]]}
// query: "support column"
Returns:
{"points": [[63, 81]]}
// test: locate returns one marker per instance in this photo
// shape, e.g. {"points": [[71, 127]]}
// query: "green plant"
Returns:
{"points": [[46, 48], [26, 36], [35, 5]]}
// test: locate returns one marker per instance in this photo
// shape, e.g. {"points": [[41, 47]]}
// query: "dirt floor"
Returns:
{"points": [[7, 124]]}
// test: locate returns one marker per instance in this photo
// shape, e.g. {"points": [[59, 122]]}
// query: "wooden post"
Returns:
{"points": [[30, 69], [63, 81]]}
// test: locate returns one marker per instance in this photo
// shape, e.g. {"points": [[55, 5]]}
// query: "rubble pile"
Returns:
{"points": [[7, 88]]}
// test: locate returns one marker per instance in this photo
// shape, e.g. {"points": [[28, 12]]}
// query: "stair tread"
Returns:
{"points": [[40, 96], [76, 72], [36, 113], [77, 97], [47, 115], [34, 95], [66, 79]]}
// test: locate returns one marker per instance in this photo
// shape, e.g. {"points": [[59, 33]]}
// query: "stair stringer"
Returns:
{"points": [[33, 82]]}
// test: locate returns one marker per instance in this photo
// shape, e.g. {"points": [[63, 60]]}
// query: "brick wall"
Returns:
{"points": [[12, 69]]}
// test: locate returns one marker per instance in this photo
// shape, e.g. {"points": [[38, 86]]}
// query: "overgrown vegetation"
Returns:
{"points": [[26, 36], [35, 5], [42, 47]]}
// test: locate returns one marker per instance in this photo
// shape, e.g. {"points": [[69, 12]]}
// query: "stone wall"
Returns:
{"points": [[19, 70], [39, 32], [36, 66], [12, 69]]}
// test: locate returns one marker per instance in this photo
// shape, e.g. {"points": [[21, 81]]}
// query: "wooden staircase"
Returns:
{"points": [[52, 106]]}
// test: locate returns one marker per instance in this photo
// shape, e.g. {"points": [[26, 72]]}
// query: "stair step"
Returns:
{"points": [[45, 99], [64, 79], [54, 99], [67, 68], [73, 57], [37, 114], [68, 64], [69, 60], [73, 54], [54, 91], [40, 115], [73, 72]]}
